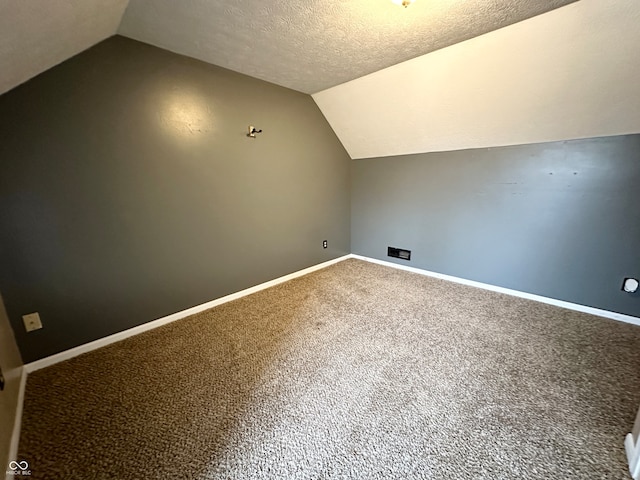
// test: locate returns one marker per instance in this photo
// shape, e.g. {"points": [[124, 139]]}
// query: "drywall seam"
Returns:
{"points": [[515, 293]]}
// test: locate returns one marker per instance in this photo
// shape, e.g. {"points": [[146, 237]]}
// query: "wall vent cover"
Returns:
{"points": [[399, 253]]}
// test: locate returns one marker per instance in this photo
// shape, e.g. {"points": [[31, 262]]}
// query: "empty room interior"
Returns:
{"points": [[365, 239]]}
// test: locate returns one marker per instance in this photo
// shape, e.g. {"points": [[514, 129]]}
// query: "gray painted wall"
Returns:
{"points": [[130, 191], [11, 365], [556, 219]]}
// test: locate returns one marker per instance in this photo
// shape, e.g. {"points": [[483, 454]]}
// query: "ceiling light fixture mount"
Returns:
{"points": [[404, 3]]}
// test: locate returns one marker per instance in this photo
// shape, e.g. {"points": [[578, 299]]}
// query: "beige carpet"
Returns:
{"points": [[357, 371]]}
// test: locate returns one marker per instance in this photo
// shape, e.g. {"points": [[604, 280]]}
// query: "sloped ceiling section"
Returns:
{"points": [[568, 74], [307, 45], [35, 35], [311, 45]]}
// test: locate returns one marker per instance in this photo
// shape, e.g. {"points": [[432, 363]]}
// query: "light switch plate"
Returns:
{"points": [[32, 322]]}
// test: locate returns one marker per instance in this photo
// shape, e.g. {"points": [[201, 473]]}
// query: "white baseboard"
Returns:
{"points": [[116, 337], [633, 456], [633, 451], [87, 347], [538, 298], [15, 435], [74, 352]]}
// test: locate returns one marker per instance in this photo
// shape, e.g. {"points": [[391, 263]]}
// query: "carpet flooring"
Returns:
{"points": [[356, 371]]}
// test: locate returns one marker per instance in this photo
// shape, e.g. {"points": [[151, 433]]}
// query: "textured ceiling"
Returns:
{"points": [[306, 45], [571, 73], [311, 45], [35, 35]]}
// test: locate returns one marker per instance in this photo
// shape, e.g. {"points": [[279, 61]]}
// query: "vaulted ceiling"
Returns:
{"points": [[305, 45], [35, 35]]}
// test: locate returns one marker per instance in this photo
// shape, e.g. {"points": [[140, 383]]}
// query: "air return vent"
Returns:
{"points": [[399, 253]]}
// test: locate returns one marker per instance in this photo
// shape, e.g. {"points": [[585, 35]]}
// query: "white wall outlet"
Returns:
{"points": [[630, 285], [32, 322]]}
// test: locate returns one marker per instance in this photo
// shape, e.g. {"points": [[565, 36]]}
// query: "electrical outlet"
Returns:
{"points": [[630, 285], [324, 244], [32, 322]]}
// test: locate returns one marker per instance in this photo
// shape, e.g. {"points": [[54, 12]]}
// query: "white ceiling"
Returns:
{"points": [[512, 86], [35, 35], [311, 45], [306, 45]]}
